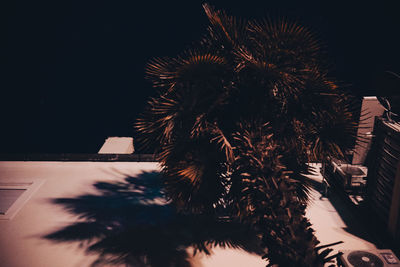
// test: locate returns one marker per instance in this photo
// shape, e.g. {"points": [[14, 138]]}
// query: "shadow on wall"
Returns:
{"points": [[130, 223]]}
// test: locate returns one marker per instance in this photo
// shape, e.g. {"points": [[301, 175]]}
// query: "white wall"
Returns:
{"points": [[21, 242], [117, 145], [370, 109], [21, 238]]}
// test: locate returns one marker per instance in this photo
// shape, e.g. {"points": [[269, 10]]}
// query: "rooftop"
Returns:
{"points": [[84, 207]]}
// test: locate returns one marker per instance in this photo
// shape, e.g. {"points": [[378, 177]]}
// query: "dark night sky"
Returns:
{"points": [[72, 73]]}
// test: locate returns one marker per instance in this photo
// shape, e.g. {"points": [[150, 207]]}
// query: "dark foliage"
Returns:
{"points": [[237, 119]]}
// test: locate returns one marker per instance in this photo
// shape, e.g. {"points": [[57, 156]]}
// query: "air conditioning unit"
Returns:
{"points": [[368, 258]]}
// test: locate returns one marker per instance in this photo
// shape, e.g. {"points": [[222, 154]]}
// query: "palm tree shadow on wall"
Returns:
{"points": [[130, 223]]}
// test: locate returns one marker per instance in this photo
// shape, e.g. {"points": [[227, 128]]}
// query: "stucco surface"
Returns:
{"points": [[21, 238]]}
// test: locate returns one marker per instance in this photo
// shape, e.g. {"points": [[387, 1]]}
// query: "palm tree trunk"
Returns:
{"points": [[266, 197]]}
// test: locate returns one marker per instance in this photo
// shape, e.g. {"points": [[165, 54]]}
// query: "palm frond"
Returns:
{"points": [[225, 28], [162, 72], [223, 143], [281, 40]]}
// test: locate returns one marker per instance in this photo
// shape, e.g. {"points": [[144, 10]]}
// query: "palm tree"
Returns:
{"points": [[237, 120]]}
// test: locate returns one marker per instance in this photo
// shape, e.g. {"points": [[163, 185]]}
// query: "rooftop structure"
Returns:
{"points": [[87, 195]]}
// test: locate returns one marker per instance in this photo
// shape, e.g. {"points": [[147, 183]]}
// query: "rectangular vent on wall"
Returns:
{"points": [[14, 195]]}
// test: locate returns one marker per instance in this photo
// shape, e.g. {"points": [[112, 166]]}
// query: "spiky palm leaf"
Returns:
{"points": [[225, 33]]}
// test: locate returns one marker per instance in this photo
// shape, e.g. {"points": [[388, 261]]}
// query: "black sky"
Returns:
{"points": [[72, 73]]}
